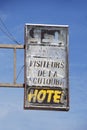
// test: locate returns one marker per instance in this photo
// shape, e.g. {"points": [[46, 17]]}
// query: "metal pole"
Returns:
{"points": [[14, 65], [14, 47], [12, 85], [11, 46]]}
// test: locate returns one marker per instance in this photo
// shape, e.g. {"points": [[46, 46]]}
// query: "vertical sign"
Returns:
{"points": [[46, 67]]}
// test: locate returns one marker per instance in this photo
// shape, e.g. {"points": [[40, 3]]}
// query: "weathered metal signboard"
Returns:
{"points": [[46, 67]]}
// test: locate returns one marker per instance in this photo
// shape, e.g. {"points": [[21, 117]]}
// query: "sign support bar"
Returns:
{"points": [[14, 47], [12, 85], [14, 65]]}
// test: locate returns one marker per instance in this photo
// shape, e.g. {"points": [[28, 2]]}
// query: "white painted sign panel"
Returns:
{"points": [[46, 67]]}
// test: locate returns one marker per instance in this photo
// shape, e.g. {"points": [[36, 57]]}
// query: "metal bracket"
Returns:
{"points": [[14, 47]]}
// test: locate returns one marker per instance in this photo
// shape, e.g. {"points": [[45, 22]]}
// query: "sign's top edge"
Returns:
{"points": [[52, 25]]}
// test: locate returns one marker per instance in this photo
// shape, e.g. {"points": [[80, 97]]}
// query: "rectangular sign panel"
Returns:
{"points": [[46, 67]]}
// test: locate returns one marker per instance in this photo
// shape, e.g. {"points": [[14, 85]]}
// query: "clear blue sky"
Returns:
{"points": [[15, 13]]}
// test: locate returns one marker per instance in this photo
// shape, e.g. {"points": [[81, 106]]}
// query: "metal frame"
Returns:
{"points": [[14, 47], [67, 72]]}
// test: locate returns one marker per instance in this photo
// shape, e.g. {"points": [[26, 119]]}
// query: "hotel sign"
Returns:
{"points": [[46, 67]]}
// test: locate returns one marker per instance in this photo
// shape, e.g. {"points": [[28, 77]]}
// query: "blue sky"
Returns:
{"points": [[15, 13]]}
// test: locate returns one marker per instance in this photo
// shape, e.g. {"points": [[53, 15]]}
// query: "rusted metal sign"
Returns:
{"points": [[46, 67]]}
